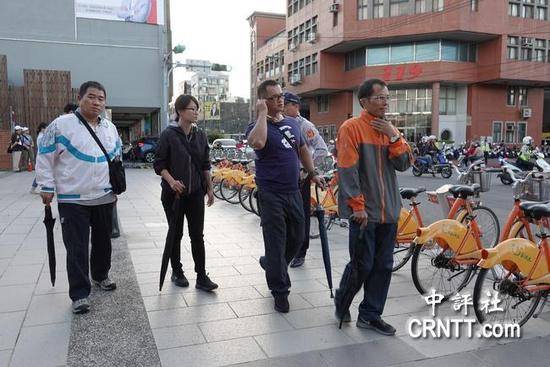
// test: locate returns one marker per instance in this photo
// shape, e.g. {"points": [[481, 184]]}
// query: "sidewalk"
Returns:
{"points": [[137, 325]]}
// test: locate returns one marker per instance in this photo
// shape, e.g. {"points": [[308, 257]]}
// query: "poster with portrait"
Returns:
{"points": [[137, 11], [212, 110]]}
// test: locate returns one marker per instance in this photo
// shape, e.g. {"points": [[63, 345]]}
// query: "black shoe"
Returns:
{"points": [[204, 283], [281, 304], [180, 280], [377, 325], [263, 262], [297, 262]]}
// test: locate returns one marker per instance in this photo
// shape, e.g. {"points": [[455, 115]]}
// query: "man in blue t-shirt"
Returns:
{"points": [[279, 147]]}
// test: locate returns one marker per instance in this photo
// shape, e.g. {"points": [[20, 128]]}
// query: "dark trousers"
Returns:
{"points": [[305, 191], [76, 221], [282, 221], [376, 266], [192, 207]]}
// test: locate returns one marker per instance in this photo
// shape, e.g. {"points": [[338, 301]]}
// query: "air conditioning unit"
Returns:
{"points": [[334, 8], [526, 112], [292, 47], [295, 78], [527, 42], [312, 37]]}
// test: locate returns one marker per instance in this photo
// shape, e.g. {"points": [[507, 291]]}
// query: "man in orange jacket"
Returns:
{"points": [[370, 150]]}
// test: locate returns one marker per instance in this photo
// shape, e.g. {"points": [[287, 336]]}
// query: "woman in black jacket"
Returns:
{"points": [[182, 159]]}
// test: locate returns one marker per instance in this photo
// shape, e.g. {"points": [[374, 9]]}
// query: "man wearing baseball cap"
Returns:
{"points": [[318, 149]]}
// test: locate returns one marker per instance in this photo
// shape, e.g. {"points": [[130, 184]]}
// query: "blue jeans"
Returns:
{"points": [[376, 265]]}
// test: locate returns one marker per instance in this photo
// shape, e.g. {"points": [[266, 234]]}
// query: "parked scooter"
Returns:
{"points": [[440, 165], [505, 178]]}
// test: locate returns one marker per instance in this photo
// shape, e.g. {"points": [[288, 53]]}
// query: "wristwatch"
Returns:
{"points": [[394, 138]]}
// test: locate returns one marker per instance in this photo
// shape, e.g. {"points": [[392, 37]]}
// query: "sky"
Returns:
{"points": [[217, 30]]}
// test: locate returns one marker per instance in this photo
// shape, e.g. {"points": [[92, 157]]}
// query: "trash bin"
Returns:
{"points": [[483, 179], [441, 197]]}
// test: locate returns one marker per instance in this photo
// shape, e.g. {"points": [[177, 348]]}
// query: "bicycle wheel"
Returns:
{"points": [[244, 194], [432, 268], [216, 188], [518, 304], [488, 224], [254, 202], [402, 252], [228, 191]]}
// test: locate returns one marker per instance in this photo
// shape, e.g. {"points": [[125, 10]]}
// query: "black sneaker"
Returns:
{"points": [[263, 262], [81, 306], [281, 304], [180, 280], [297, 262], [204, 283], [377, 325]]}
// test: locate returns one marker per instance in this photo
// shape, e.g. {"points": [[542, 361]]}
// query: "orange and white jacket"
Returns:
{"points": [[366, 165]]}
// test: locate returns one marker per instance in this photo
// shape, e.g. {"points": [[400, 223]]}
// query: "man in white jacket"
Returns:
{"points": [[71, 164]]}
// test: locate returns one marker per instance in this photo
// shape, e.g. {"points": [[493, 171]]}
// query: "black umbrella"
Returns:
{"points": [[352, 280], [49, 222], [177, 221], [320, 214]]}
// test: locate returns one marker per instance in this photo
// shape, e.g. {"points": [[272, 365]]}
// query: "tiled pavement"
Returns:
{"points": [[237, 323]]}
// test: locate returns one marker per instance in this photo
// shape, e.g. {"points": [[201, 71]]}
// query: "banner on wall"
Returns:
{"points": [[137, 11], [211, 110]]}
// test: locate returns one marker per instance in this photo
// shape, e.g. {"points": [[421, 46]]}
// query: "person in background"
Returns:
{"points": [[318, 150], [16, 148], [39, 134], [28, 143], [69, 108]]}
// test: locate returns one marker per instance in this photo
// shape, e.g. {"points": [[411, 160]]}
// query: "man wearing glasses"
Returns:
{"points": [[370, 150], [279, 148]]}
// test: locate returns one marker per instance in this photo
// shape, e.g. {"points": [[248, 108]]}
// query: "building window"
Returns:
{"points": [[513, 9], [540, 50], [522, 130], [399, 7], [295, 5], [301, 33], [402, 101], [362, 9], [402, 53], [511, 96], [526, 49], [528, 11], [447, 101], [356, 58], [513, 48], [304, 66], [509, 132], [497, 131], [426, 51], [378, 8], [522, 96], [322, 103], [437, 5], [378, 55], [474, 5], [542, 10], [419, 6]]}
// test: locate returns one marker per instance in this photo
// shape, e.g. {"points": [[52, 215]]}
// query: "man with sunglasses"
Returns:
{"points": [[280, 148], [318, 150], [370, 150]]}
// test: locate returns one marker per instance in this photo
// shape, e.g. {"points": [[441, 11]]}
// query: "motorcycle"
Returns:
{"points": [[439, 164], [506, 179]]}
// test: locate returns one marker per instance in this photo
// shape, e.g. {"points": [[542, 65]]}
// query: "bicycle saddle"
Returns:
{"points": [[409, 193], [537, 211], [526, 205], [464, 191]]}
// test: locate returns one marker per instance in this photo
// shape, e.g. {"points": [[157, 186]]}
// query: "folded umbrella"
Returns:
{"points": [[49, 222], [320, 214], [352, 280], [173, 227]]}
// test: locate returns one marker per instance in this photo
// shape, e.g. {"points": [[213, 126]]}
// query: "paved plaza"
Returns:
{"points": [[139, 326]]}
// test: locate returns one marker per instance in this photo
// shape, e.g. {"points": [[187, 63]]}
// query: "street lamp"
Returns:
{"points": [[178, 49]]}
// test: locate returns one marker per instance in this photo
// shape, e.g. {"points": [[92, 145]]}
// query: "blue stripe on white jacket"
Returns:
{"points": [[71, 163]]}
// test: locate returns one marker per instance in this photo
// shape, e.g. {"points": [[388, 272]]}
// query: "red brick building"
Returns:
{"points": [[458, 69]]}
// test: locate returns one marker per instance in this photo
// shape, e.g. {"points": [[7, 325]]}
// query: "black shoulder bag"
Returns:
{"points": [[117, 176]]}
